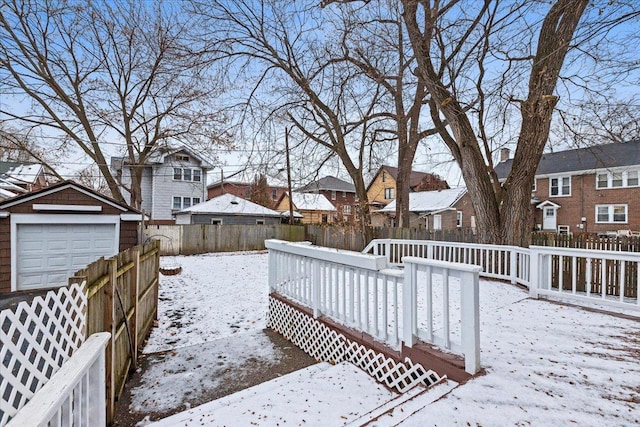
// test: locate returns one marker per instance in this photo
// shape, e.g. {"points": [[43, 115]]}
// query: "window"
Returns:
{"points": [[177, 174], [459, 219], [325, 218], [180, 203], [617, 179], [259, 221], [216, 221], [182, 158], [333, 195], [611, 214], [437, 222], [602, 180], [346, 210], [560, 186], [533, 187], [344, 194], [389, 193], [180, 174], [274, 194]]}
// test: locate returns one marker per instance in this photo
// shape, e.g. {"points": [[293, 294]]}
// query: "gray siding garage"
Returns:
{"points": [[228, 209]]}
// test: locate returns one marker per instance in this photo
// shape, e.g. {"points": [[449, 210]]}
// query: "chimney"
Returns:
{"points": [[504, 154]]}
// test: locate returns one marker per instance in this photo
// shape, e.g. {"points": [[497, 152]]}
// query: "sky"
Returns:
{"points": [[545, 363]]}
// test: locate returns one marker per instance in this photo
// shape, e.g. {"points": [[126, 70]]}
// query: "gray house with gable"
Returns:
{"points": [[173, 179]]}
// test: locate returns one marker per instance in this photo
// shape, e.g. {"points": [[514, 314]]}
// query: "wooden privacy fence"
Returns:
{"points": [[204, 238], [587, 241], [122, 294]]}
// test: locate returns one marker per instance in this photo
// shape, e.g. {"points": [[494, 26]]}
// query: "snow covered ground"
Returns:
{"points": [[546, 363]]}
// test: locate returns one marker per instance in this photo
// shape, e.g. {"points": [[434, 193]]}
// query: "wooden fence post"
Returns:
{"points": [[109, 314], [135, 298]]}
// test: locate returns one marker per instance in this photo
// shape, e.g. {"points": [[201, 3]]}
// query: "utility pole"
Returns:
{"points": [[286, 147]]}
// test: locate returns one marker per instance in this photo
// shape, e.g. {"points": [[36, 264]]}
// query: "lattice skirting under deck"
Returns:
{"points": [[323, 343]]}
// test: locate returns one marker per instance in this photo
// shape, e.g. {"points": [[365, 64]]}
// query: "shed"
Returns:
{"points": [[228, 209], [48, 235]]}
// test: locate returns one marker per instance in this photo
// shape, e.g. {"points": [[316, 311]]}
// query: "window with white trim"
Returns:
{"points": [[437, 222], [180, 203], [333, 195], [346, 210], [459, 219], [560, 186], [274, 194], [611, 214], [617, 179], [185, 174], [259, 221], [389, 193], [216, 221]]}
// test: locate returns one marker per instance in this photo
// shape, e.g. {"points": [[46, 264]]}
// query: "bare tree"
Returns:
{"points": [[121, 77], [482, 60], [289, 49], [259, 192]]}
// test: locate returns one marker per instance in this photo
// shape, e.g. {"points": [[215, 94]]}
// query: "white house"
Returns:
{"points": [[173, 179]]}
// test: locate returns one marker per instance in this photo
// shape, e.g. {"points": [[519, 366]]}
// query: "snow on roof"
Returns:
{"points": [[430, 201], [311, 202], [21, 173], [329, 183], [229, 204]]}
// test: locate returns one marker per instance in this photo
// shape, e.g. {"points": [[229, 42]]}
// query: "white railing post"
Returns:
{"points": [[316, 289], [470, 317], [534, 271], [272, 271], [513, 265], [408, 303]]}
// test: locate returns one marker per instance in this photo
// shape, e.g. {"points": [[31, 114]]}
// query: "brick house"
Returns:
{"points": [[594, 189], [47, 235], [340, 193], [382, 189], [446, 210], [29, 176], [243, 189]]}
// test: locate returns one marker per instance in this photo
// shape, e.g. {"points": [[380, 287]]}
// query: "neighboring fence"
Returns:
{"points": [[203, 238], [352, 237], [122, 300], [75, 395], [362, 292], [587, 241], [36, 339], [604, 277]]}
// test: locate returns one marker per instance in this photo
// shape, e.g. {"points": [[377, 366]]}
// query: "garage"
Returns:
{"points": [[51, 253], [48, 235]]}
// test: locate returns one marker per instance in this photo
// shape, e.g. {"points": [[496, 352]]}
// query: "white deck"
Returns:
{"points": [[546, 364]]}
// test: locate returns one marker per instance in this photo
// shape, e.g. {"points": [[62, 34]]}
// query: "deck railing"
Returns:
{"points": [[361, 291], [593, 276], [605, 277], [75, 395], [497, 261]]}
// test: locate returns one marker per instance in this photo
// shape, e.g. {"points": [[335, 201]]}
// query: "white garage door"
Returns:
{"points": [[48, 254]]}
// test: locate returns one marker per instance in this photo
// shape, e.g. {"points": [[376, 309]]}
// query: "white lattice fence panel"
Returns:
{"points": [[35, 341], [323, 343]]}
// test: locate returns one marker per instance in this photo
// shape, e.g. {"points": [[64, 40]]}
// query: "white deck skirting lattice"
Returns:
{"points": [[37, 339], [327, 345]]}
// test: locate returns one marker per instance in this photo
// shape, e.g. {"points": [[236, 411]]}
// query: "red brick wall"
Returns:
{"points": [[342, 199], [237, 189], [583, 200]]}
